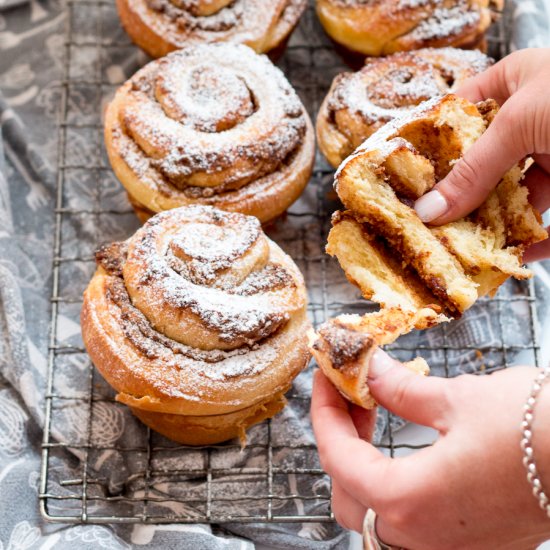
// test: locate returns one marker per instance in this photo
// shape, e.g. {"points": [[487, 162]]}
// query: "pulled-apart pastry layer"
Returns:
{"points": [[344, 346], [198, 321], [213, 124], [420, 275], [381, 27], [360, 103], [162, 26]]}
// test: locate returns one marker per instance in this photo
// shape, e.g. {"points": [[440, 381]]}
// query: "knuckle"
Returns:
{"points": [[462, 179], [400, 517], [340, 516], [539, 140], [511, 122], [400, 390]]}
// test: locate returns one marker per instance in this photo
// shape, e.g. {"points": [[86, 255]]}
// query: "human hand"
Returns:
{"points": [[520, 83], [468, 490]]}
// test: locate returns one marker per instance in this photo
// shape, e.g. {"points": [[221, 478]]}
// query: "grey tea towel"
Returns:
{"points": [[32, 54]]}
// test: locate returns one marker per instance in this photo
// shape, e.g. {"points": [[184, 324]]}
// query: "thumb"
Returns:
{"points": [[478, 172], [412, 396]]}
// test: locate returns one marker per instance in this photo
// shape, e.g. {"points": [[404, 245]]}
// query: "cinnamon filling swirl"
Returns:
{"points": [[153, 344], [210, 119], [204, 278]]}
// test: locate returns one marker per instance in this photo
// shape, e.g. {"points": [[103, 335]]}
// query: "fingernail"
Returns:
{"points": [[380, 363], [431, 206]]}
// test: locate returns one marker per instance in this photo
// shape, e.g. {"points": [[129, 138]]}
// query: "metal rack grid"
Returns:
{"points": [[75, 485]]}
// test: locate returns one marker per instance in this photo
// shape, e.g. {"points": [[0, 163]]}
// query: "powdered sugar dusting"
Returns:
{"points": [[204, 250], [240, 21], [401, 25], [387, 87], [446, 22], [209, 99], [200, 133], [253, 311]]}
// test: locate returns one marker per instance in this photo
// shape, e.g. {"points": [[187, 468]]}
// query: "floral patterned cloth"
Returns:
{"points": [[31, 54]]}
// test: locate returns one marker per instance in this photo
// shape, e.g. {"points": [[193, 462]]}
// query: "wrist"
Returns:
{"points": [[536, 452]]}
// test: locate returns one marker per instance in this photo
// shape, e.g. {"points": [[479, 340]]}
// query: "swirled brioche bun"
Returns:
{"points": [[198, 322], [213, 124], [382, 27], [162, 26], [360, 103]]}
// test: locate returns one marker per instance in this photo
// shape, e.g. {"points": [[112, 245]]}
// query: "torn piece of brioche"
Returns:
{"points": [[403, 264], [344, 346], [404, 160]]}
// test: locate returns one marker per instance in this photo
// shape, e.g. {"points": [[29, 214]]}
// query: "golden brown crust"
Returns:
{"points": [[162, 26], [208, 430], [161, 376], [382, 27], [357, 104], [215, 125]]}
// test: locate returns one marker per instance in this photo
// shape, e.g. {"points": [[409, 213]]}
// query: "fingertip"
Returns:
{"points": [[537, 181], [324, 392], [321, 382], [317, 376], [380, 363], [403, 390], [470, 90], [431, 206]]}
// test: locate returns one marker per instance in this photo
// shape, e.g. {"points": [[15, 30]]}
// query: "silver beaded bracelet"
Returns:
{"points": [[527, 441]]}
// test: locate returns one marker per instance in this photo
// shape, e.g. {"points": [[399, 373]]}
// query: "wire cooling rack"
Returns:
{"points": [[272, 480]]}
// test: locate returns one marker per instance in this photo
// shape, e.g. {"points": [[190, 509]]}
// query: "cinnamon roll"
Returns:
{"points": [[381, 27], [199, 322], [213, 124], [162, 26], [357, 104]]}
